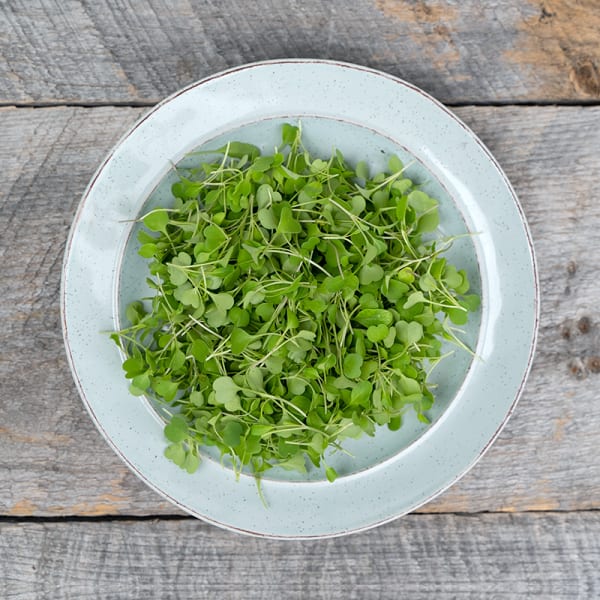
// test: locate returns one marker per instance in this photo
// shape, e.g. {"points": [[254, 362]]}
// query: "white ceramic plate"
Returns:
{"points": [[368, 115]]}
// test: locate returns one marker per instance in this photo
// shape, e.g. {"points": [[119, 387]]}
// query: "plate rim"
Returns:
{"points": [[335, 63]]}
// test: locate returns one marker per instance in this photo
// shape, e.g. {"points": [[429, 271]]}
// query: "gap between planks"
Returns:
{"points": [[166, 517], [583, 103]]}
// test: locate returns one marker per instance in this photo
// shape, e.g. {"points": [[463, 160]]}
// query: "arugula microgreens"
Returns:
{"points": [[296, 304]]}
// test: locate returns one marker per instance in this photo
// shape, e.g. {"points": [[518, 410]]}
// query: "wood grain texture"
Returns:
{"points": [[53, 461], [46, 165], [419, 557], [466, 51]]}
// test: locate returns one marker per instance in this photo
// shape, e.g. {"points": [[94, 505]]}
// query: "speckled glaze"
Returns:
{"points": [[360, 111]]}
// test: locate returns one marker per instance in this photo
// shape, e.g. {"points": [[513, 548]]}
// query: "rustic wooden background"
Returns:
{"points": [[75, 523]]}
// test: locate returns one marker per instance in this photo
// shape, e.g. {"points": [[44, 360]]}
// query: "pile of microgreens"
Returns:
{"points": [[296, 304]]}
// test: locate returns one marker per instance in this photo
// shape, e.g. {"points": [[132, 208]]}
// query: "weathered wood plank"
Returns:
{"points": [[52, 460], [51, 154], [137, 52], [420, 556]]}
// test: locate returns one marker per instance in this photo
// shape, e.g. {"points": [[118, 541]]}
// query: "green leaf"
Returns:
{"points": [[274, 364], [318, 443], [165, 388], [368, 301], [380, 199], [296, 386], [157, 220], [395, 164], [463, 288], [351, 282], [148, 250], [239, 317], [312, 189], [264, 311], [141, 382], [188, 295], [261, 430], [200, 350], [177, 429], [409, 386], [414, 298], [262, 164], [452, 278], [401, 186], [197, 398], [232, 433], [377, 333], [265, 195], [239, 150], [370, 274], [331, 474], [292, 319], [254, 378], [333, 284], [352, 364], [240, 340], [177, 276], [406, 275], [361, 393], [294, 463], [318, 166], [182, 259], [216, 318], [409, 333], [191, 462], [144, 237], [306, 335], [223, 301], [388, 340], [362, 170], [226, 393], [175, 453], [186, 189], [134, 366], [427, 283], [214, 236], [401, 206], [287, 222], [289, 133], [136, 391], [471, 302], [395, 423], [316, 306], [177, 360], [395, 290], [459, 316], [267, 218], [343, 383], [370, 253], [429, 221], [358, 205], [326, 362], [374, 316], [421, 202], [253, 297]]}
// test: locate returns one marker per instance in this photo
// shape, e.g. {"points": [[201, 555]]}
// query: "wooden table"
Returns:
{"points": [[525, 522]]}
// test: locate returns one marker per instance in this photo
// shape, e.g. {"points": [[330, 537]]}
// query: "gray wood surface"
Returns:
{"points": [[52, 460], [107, 52], [421, 556], [75, 523]]}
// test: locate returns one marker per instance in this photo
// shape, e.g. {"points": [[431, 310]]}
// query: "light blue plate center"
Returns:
{"points": [[321, 136]]}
